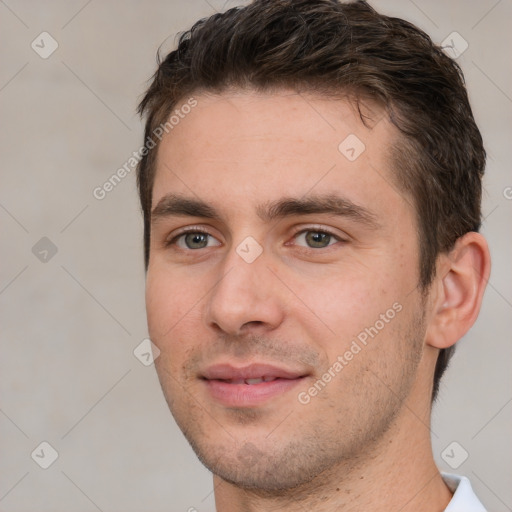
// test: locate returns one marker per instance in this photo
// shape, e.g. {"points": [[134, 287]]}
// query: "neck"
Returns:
{"points": [[397, 473]]}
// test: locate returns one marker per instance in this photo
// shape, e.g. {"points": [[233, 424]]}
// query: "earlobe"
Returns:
{"points": [[460, 284]]}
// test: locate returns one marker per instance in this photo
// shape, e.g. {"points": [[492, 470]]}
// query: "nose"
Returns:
{"points": [[246, 298]]}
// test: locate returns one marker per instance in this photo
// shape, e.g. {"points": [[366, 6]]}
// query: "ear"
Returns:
{"points": [[458, 289]]}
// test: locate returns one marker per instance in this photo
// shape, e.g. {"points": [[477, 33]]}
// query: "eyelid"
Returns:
{"points": [[173, 237], [342, 237]]}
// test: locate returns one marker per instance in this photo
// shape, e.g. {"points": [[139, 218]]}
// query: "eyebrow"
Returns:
{"points": [[177, 205]]}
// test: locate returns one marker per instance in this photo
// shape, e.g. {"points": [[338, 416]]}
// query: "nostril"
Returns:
{"points": [[252, 323]]}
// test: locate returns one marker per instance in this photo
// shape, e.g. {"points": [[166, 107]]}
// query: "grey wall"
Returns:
{"points": [[71, 320]]}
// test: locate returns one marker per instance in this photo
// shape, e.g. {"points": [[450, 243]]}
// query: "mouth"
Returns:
{"points": [[250, 382], [250, 385]]}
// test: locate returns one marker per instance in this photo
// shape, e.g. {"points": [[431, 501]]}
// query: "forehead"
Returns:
{"points": [[240, 145]]}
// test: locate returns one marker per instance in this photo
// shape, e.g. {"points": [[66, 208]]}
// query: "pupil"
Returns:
{"points": [[316, 239], [196, 240]]}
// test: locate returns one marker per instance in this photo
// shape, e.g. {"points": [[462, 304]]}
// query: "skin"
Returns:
{"points": [[363, 441]]}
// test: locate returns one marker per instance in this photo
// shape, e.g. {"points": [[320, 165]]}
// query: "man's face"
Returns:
{"points": [[276, 253]]}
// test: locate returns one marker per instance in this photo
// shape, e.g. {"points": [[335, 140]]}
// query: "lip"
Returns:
{"points": [[225, 383], [251, 371]]}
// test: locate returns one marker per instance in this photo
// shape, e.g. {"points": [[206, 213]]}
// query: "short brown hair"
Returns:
{"points": [[326, 47]]}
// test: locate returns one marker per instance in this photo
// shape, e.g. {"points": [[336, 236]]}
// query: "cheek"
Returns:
{"points": [[173, 320], [169, 302], [345, 304]]}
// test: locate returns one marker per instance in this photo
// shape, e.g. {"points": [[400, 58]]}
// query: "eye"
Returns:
{"points": [[194, 240], [316, 239]]}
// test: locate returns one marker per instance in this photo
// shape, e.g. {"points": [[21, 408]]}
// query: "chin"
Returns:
{"points": [[266, 469]]}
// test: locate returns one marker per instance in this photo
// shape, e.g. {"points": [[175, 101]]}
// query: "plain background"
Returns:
{"points": [[70, 324]]}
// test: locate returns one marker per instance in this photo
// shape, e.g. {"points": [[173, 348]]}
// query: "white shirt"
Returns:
{"points": [[464, 499]]}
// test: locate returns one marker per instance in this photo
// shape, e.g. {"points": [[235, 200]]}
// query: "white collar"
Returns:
{"points": [[464, 499]]}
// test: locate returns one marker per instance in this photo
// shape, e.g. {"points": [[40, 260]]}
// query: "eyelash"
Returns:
{"points": [[316, 229], [187, 231], [192, 229]]}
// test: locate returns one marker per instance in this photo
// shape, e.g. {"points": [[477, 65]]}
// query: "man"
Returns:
{"points": [[311, 188]]}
